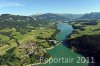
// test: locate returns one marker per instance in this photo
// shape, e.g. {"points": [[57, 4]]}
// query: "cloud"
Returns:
{"points": [[15, 4], [11, 5]]}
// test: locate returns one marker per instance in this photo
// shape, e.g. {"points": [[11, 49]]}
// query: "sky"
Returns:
{"points": [[30, 7]]}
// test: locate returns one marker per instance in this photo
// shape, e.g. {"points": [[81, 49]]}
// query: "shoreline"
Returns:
{"points": [[53, 46], [48, 59]]}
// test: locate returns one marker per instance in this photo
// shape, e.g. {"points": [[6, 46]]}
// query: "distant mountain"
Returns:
{"points": [[57, 16], [93, 15], [50, 16], [71, 16]]}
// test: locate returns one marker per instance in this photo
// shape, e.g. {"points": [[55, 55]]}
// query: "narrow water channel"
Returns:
{"points": [[61, 51]]}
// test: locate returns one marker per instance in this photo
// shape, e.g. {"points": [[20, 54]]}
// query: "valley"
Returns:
{"points": [[24, 39]]}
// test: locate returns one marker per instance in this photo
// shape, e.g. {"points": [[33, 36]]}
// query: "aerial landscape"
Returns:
{"points": [[49, 33]]}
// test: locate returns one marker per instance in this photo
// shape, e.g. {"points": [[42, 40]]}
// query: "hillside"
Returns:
{"points": [[93, 15], [85, 39]]}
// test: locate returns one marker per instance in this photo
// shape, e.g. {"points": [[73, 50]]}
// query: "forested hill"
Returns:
{"points": [[17, 21]]}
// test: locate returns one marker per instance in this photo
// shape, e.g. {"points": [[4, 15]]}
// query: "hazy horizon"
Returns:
{"points": [[49, 12]]}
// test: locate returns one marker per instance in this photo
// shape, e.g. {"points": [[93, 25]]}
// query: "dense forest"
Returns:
{"points": [[85, 39]]}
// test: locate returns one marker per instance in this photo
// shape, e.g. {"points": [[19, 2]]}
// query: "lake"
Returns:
{"points": [[61, 51]]}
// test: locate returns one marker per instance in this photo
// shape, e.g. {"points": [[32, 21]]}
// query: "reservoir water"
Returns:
{"points": [[62, 51]]}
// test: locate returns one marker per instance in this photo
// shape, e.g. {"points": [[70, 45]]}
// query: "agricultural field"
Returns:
{"points": [[81, 28], [33, 42]]}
